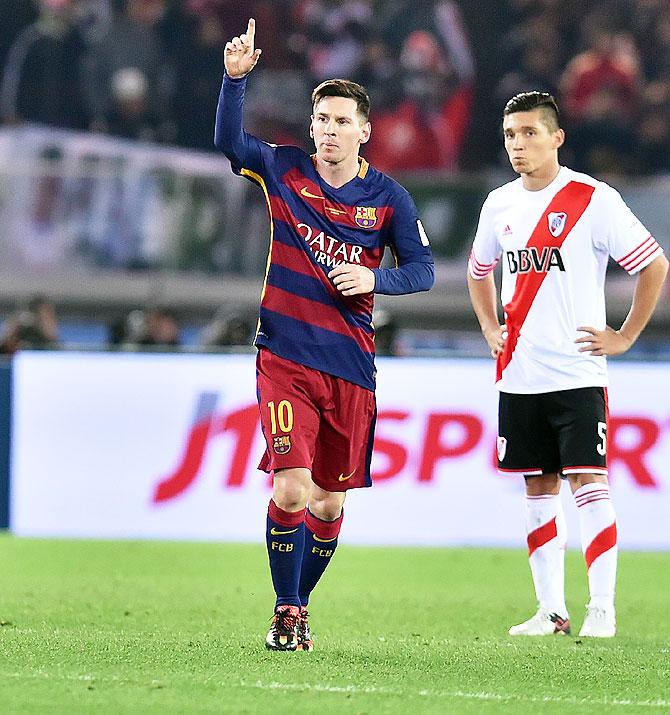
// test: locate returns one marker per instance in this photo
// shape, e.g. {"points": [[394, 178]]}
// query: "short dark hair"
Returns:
{"points": [[344, 88], [527, 101]]}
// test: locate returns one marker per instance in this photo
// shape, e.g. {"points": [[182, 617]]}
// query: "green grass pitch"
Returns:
{"points": [[155, 627]]}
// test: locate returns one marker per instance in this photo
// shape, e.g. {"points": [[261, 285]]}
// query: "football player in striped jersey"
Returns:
{"points": [[332, 215]]}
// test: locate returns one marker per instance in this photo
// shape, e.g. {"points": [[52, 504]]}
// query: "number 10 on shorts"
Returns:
{"points": [[281, 416]]}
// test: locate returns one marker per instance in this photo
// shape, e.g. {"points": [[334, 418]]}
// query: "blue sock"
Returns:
{"points": [[320, 544], [285, 539]]}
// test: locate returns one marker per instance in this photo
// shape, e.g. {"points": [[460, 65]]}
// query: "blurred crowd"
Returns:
{"points": [[36, 326], [608, 63], [151, 69], [438, 72]]}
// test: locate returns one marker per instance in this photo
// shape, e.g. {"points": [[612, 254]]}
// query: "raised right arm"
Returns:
{"points": [[240, 58], [229, 135]]}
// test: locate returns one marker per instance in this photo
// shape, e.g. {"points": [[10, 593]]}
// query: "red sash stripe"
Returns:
{"points": [[572, 199]]}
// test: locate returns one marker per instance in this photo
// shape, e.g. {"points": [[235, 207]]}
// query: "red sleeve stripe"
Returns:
{"points": [[633, 259], [480, 270], [623, 259], [651, 253], [481, 265]]}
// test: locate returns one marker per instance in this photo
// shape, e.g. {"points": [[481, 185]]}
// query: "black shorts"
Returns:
{"points": [[562, 432]]}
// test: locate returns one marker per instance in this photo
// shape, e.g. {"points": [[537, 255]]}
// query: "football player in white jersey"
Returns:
{"points": [[553, 230]]}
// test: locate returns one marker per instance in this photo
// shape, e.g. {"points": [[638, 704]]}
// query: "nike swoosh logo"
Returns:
{"points": [[276, 532], [305, 192], [342, 478], [323, 541]]}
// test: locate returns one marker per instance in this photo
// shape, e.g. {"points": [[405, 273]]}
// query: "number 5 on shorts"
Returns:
{"points": [[601, 447], [282, 414]]}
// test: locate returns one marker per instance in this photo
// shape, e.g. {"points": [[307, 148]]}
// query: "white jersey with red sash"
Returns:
{"points": [[554, 246]]}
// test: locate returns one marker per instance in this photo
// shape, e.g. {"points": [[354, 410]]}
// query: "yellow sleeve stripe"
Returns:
{"points": [[261, 182]]}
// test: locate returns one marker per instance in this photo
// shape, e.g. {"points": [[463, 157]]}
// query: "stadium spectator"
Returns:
{"points": [[335, 34], [15, 15], [42, 77], [46, 319], [538, 67], [386, 333], [32, 328], [116, 332], [425, 110], [378, 72], [609, 64], [427, 128], [602, 143], [129, 115], [539, 28], [154, 327], [600, 90], [228, 328], [197, 78], [160, 329], [441, 19], [131, 43], [652, 140], [651, 25]]}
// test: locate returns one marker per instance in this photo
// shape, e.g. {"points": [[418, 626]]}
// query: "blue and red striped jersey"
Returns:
{"points": [[315, 227]]}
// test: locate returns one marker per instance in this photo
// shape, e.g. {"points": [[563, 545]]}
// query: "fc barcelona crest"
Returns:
{"points": [[557, 223], [281, 444], [366, 216]]}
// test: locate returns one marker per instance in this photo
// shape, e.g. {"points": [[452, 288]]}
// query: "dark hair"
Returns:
{"points": [[527, 101], [344, 88]]}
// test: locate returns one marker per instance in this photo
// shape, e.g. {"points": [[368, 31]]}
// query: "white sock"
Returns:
{"points": [[597, 522], [545, 526]]}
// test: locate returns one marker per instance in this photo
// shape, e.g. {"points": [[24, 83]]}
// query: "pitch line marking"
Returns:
{"points": [[363, 690], [454, 694]]}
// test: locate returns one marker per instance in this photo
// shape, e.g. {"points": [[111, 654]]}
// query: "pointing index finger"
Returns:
{"points": [[251, 31]]}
